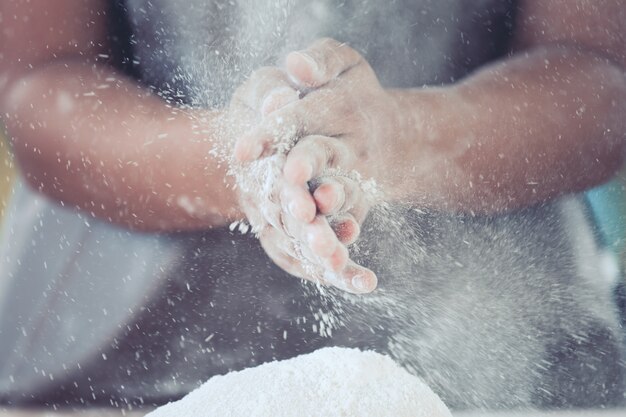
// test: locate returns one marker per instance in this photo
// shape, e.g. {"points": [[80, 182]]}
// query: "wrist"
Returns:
{"points": [[424, 143], [388, 150], [199, 189], [404, 143]]}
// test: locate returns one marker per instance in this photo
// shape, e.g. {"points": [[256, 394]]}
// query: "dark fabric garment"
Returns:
{"points": [[198, 51]]}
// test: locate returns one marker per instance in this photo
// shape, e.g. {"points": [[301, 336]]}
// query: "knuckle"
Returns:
{"points": [[321, 141], [353, 195], [307, 147], [329, 155], [353, 121], [344, 107], [325, 51], [338, 160], [323, 147]]}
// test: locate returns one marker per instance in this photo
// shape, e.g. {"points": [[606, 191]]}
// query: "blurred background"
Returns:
{"points": [[7, 172]]}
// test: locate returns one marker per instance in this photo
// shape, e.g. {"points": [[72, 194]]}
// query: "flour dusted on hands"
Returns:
{"points": [[326, 383]]}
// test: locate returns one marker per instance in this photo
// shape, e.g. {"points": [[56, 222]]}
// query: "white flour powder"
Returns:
{"points": [[328, 382]]}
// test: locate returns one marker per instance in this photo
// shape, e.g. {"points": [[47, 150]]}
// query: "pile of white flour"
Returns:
{"points": [[326, 383]]}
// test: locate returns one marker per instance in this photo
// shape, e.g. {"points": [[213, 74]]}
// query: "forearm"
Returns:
{"points": [[543, 123], [91, 138]]}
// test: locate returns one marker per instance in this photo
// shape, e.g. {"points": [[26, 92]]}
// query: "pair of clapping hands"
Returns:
{"points": [[342, 119]]}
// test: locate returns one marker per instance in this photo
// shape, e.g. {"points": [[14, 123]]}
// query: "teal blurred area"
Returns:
{"points": [[608, 203]]}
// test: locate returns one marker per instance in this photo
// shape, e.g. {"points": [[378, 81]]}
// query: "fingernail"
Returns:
{"points": [[309, 59], [313, 66], [359, 282]]}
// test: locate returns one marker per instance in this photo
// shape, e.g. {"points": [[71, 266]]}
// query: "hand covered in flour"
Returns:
{"points": [[310, 248], [341, 98], [335, 134]]}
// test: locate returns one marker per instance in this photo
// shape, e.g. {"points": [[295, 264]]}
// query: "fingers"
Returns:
{"points": [[314, 244], [329, 196], [320, 237], [341, 272], [346, 228], [325, 112], [314, 155], [353, 278], [278, 98], [343, 200], [336, 194], [266, 89], [271, 239], [362, 280], [339, 198], [320, 112], [323, 61], [338, 260], [292, 257], [278, 132], [325, 238], [317, 236], [298, 202]]}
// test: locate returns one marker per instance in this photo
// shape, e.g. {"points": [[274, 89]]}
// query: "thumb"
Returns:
{"points": [[320, 63]]}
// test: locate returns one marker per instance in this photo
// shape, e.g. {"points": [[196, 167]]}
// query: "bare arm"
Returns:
{"points": [[547, 121], [90, 137]]}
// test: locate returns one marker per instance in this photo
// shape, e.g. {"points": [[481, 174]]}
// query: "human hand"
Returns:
{"points": [[327, 163], [310, 249], [341, 98]]}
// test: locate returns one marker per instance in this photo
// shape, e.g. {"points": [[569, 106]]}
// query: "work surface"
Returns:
{"points": [[109, 413]]}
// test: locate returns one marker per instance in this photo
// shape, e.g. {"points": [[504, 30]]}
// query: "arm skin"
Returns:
{"points": [[90, 137], [548, 120]]}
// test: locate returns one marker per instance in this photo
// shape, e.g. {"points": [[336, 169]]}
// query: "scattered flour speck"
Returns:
{"points": [[328, 382]]}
